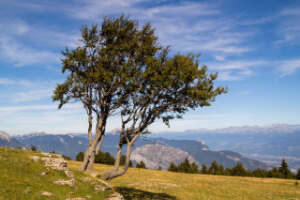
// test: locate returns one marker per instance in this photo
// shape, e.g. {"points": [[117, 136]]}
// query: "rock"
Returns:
{"points": [[35, 158], [86, 179], [47, 155], [44, 173], [69, 174], [92, 174], [47, 194], [115, 196], [65, 182], [108, 187], [99, 188], [55, 163]]}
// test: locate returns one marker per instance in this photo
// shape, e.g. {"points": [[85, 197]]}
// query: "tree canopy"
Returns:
{"points": [[120, 68]]}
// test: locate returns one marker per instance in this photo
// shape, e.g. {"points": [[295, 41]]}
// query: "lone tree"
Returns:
{"points": [[164, 88], [122, 69], [101, 71]]}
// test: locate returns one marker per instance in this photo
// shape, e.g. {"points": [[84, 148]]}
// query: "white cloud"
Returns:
{"points": [[288, 67], [22, 55]]}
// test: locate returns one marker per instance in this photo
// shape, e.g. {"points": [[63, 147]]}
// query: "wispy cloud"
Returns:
{"points": [[21, 55], [289, 67]]}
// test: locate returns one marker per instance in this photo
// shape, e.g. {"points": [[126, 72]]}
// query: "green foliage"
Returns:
{"points": [[214, 168], [80, 156], [141, 165], [66, 157], [203, 169], [260, 173], [32, 148], [159, 168], [284, 170], [172, 167], [238, 170], [104, 158], [298, 175], [184, 167]]}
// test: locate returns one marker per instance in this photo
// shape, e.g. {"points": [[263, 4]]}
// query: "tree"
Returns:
{"points": [[260, 173], [214, 168], [238, 170], [203, 169], [284, 170], [123, 160], [101, 72], [164, 88], [104, 158], [172, 167], [141, 165], [79, 156], [298, 175], [33, 148]]}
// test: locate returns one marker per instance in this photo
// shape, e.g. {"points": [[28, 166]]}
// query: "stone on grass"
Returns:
{"points": [[35, 158], [85, 179], [47, 194], [69, 174], [55, 163], [65, 182], [92, 174], [100, 188], [115, 196], [44, 173]]}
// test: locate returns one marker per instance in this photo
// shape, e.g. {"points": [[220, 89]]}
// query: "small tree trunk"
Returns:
{"points": [[108, 175], [118, 157], [89, 156]]}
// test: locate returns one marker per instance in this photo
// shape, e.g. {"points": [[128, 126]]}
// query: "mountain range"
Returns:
{"points": [[268, 144], [154, 152], [258, 147]]}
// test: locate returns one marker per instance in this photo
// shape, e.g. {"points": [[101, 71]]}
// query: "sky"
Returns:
{"points": [[254, 45]]}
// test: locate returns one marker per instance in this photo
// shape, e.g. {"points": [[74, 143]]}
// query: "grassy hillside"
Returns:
{"points": [[152, 184], [20, 179]]}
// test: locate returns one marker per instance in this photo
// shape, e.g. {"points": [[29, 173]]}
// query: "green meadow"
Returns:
{"points": [[20, 179]]}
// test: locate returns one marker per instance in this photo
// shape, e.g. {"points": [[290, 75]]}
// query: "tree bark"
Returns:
{"points": [[91, 152], [108, 175]]}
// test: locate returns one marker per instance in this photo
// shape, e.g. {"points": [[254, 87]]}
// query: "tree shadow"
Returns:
{"points": [[132, 193]]}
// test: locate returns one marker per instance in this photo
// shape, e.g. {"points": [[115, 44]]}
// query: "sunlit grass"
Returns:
{"points": [[197, 186], [20, 179]]}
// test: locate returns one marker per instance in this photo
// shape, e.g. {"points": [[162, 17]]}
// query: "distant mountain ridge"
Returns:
{"points": [[8, 141], [202, 152]]}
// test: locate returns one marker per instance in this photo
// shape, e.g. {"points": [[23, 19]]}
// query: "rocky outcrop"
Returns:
{"points": [[55, 163], [159, 155]]}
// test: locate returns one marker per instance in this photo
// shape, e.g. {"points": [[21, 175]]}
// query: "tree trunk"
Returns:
{"points": [[91, 152], [108, 175]]}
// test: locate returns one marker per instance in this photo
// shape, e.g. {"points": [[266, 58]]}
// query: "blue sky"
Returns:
{"points": [[254, 45]]}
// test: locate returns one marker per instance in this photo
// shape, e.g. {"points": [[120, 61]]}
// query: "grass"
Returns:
{"points": [[20, 179], [153, 184]]}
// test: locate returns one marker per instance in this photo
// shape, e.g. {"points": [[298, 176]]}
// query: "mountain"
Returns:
{"points": [[268, 144], [196, 149], [68, 145], [159, 155], [8, 141]]}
